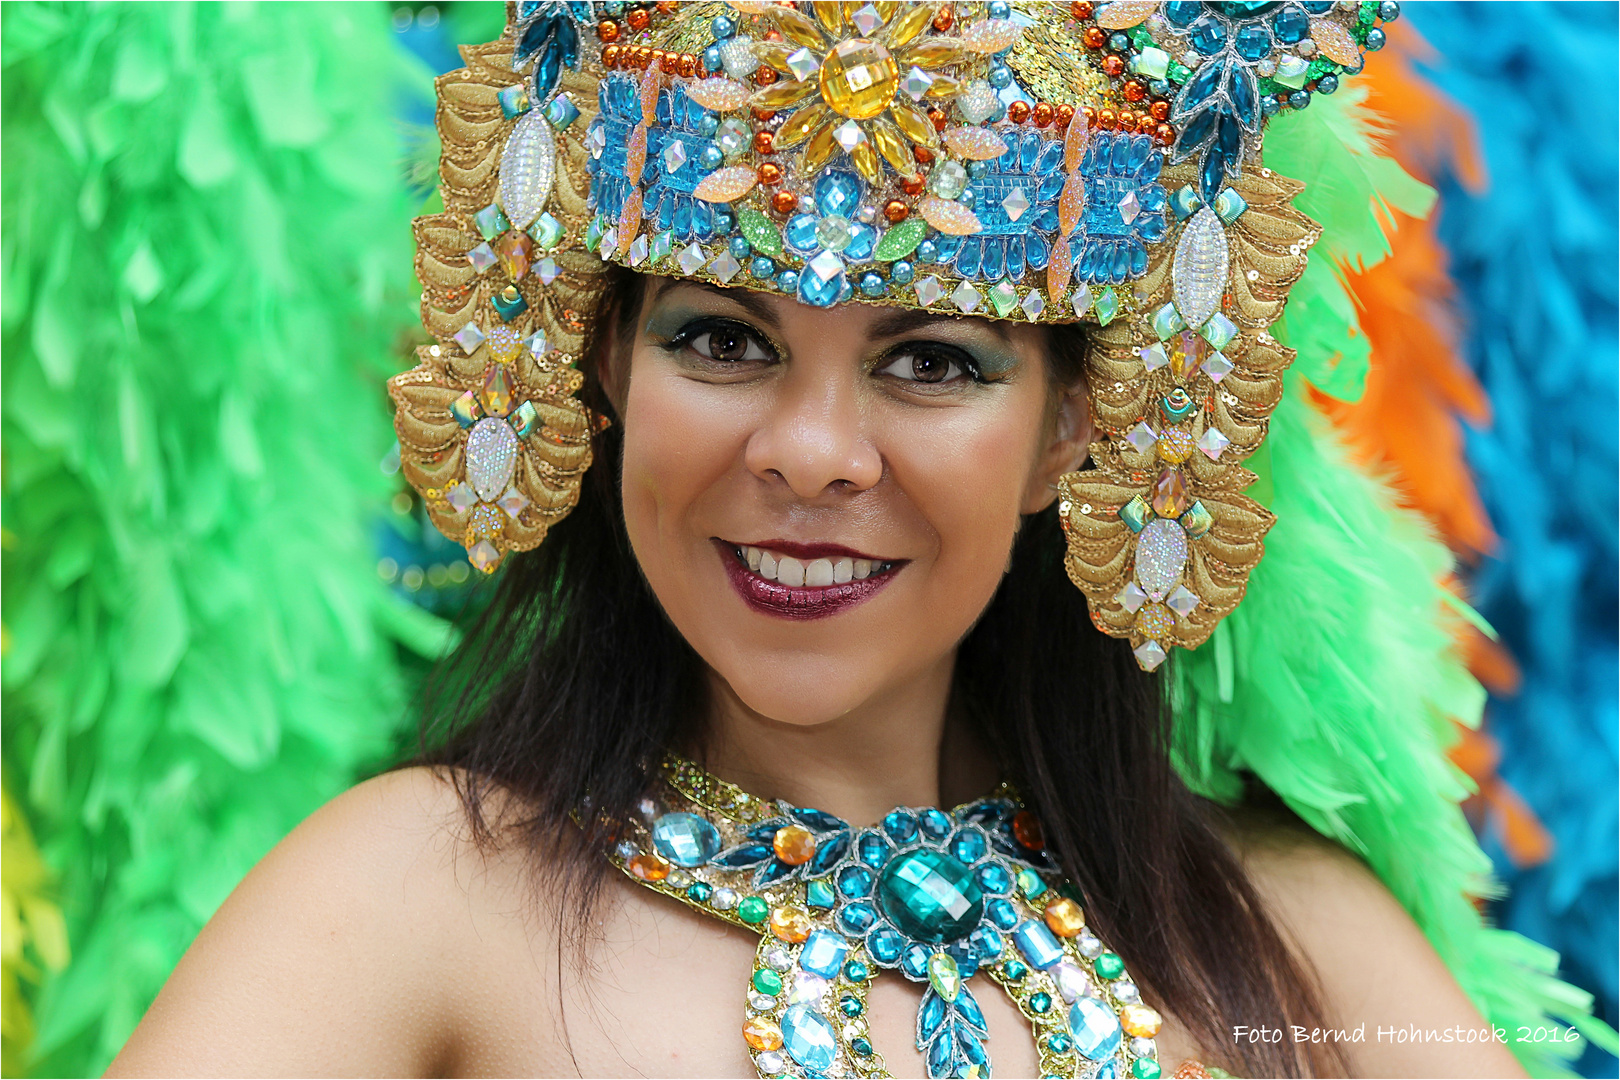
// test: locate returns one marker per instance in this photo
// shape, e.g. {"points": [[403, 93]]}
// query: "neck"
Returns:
{"points": [[907, 747]]}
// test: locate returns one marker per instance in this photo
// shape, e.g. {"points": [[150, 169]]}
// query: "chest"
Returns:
{"points": [[661, 990]]}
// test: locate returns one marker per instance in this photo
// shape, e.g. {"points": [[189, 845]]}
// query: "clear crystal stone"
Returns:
{"points": [[916, 83], [723, 899], [803, 64], [546, 270], [826, 266], [1149, 654], [1182, 601], [966, 298], [638, 250], [1015, 204], [733, 136], [807, 989], [834, 232], [482, 257], [513, 502], [674, 156], [469, 337], [760, 1002], [929, 291], [1153, 356], [1212, 442], [610, 244], [492, 449], [691, 259], [1131, 597], [1126, 991], [777, 959], [1143, 438], [770, 1063], [1217, 366], [1161, 552], [1034, 305], [596, 140], [849, 135], [948, 180], [866, 20], [1071, 981], [1129, 207], [725, 267], [1144, 1048], [1082, 301], [461, 498]]}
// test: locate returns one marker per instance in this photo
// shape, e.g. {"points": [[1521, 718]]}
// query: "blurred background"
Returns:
{"points": [[219, 595]]}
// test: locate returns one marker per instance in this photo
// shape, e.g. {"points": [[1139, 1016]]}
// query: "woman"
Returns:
{"points": [[826, 551]]}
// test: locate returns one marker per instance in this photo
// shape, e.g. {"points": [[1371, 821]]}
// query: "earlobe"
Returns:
{"points": [[613, 367], [1066, 452]]}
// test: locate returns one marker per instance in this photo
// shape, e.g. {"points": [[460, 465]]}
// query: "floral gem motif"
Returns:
{"points": [[548, 36], [1124, 207], [1015, 198], [856, 94], [680, 152], [829, 240], [799, 845]]}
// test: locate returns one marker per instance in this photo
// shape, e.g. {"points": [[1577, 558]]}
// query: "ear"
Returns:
{"points": [[612, 363], [1068, 444]]}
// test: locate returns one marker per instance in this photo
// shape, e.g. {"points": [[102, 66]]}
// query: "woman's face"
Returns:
{"points": [[824, 500]]}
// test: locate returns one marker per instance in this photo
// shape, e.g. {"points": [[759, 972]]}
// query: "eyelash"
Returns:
{"points": [[694, 337]]}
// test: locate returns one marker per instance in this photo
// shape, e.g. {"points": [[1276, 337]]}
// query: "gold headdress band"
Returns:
{"points": [[1027, 161]]}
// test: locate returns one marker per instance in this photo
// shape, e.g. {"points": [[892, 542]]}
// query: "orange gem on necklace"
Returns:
{"points": [[794, 844]]}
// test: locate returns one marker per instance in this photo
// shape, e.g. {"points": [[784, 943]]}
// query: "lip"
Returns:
{"points": [[801, 602]]}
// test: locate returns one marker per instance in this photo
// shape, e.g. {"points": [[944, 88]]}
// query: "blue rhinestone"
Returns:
{"points": [[1000, 9], [995, 879], [862, 239], [739, 247], [1375, 40], [930, 896], [708, 124], [1182, 12], [762, 268], [699, 891], [1095, 1028], [837, 192], [1040, 1002], [1002, 913], [857, 918], [1014, 970], [872, 284], [711, 58], [1037, 944], [801, 233], [823, 953], [722, 27], [685, 839], [901, 825], [787, 280], [808, 1038], [935, 825], [1291, 25], [710, 158], [1001, 77], [509, 307], [873, 850], [969, 845], [860, 1047], [902, 272], [927, 252], [1252, 42], [1208, 36], [855, 882], [1059, 1044], [915, 961], [855, 971], [886, 944], [986, 943]]}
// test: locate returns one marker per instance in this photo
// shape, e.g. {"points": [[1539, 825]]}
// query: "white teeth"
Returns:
{"points": [[815, 574]]}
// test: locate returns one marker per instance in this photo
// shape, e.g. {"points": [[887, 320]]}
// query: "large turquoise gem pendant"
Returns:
{"points": [[940, 897]]}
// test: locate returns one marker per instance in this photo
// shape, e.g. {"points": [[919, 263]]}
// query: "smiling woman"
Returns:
{"points": [[792, 689]]}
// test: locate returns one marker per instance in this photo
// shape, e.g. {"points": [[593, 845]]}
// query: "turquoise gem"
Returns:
{"points": [[1185, 202], [1030, 883], [1229, 205], [818, 894], [1135, 514], [1095, 1028], [465, 409], [930, 896], [851, 1005], [1040, 1002], [855, 971], [514, 101], [562, 112], [1059, 1044], [547, 231], [1014, 971], [1037, 944], [699, 891], [861, 1048], [808, 1038], [823, 952], [685, 839]]}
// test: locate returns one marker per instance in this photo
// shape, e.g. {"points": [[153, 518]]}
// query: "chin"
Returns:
{"points": [[802, 689]]}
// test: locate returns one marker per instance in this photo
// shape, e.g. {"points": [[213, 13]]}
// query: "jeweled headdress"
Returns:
{"points": [[1029, 161]]}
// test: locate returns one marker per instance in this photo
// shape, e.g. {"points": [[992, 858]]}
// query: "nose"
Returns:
{"points": [[813, 439]]}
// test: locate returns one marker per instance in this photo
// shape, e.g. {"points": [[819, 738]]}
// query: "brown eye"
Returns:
{"points": [[930, 368], [728, 345], [924, 367]]}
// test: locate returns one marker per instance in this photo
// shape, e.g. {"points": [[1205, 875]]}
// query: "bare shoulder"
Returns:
{"points": [[342, 950], [1376, 969]]}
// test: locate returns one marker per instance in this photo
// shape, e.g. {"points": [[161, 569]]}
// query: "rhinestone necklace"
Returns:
{"points": [[937, 896]]}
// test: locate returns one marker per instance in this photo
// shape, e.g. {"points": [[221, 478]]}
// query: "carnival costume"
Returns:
{"points": [[1033, 162]]}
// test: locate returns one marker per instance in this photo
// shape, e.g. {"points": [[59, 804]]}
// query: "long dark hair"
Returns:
{"points": [[573, 684]]}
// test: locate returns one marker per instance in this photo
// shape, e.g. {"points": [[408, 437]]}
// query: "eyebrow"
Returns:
{"points": [[900, 323], [755, 305]]}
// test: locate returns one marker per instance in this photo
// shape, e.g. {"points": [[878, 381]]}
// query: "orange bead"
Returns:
{"points": [[922, 154], [1094, 37], [655, 58], [765, 76], [1113, 64], [648, 866], [1107, 120], [1080, 10], [1160, 111], [791, 924], [665, 6], [607, 30], [1043, 113], [1165, 134], [638, 18], [896, 211], [762, 115], [945, 19], [938, 118], [1065, 113], [688, 65], [1064, 917], [784, 202], [762, 1033], [610, 56], [764, 142], [794, 844], [671, 63], [1091, 116], [911, 185], [1127, 120], [1027, 830], [1135, 90], [770, 173], [1018, 111]]}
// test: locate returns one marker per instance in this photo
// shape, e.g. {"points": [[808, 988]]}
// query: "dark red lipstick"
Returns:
{"points": [[803, 601]]}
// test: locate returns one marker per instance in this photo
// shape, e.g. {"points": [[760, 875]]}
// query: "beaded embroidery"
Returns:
{"points": [[938, 897]]}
